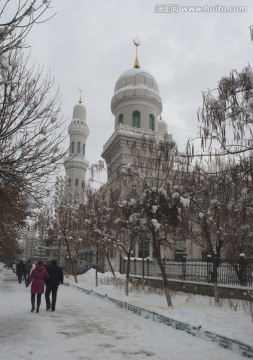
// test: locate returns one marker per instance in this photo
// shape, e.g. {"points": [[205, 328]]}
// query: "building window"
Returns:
{"points": [[76, 182], [82, 184], [78, 147], [72, 146], [151, 122], [136, 119], [120, 119], [143, 249], [69, 182], [83, 149], [112, 254]]}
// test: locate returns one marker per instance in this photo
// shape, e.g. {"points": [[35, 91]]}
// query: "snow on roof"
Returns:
{"points": [[133, 72], [136, 87]]}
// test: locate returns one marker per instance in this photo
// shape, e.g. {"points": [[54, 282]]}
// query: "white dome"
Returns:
{"points": [[136, 78], [79, 112], [136, 84]]}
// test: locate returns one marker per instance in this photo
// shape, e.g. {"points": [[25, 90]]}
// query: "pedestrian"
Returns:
{"points": [[20, 270], [38, 277], [28, 268], [55, 279]]}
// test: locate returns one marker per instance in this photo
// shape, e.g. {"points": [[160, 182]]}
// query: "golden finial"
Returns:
{"points": [[136, 63], [81, 98]]}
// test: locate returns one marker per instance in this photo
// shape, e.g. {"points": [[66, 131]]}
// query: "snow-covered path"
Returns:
{"points": [[85, 327]]}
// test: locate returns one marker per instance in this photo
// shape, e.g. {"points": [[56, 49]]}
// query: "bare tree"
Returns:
{"points": [[218, 216], [226, 117], [31, 129], [14, 208], [69, 222], [17, 19], [156, 179]]}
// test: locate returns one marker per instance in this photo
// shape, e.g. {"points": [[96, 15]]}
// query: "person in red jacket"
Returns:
{"points": [[38, 277]]}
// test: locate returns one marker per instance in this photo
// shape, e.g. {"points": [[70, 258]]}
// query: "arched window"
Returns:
{"points": [[69, 181], [78, 147], [72, 146], [83, 149], [151, 122], [136, 119], [76, 182], [120, 119]]}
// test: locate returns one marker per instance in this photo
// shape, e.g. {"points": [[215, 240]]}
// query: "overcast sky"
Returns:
{"points": [[89, 44]]}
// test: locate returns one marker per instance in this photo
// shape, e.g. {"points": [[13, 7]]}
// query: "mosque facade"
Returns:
{"points": [[137, 107]]}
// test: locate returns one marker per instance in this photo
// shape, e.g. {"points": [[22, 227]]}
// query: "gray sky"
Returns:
{"points": [[89, 44]]}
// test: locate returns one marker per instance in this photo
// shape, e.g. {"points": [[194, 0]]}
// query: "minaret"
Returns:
{"points": [[136, 105], [76, 165]]}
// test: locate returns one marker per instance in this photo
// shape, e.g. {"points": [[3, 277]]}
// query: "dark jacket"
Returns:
{"points": [[55, 275], [20, 269], [28, 266]]}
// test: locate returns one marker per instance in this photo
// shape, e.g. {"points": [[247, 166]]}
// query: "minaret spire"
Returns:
{"points": [[136, 63], [81, 98]]}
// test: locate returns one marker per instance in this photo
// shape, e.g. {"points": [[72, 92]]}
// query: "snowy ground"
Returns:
{"points": [[86, 327]]}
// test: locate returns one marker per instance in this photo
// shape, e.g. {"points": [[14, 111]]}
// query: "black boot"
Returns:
{"points": [[48, 305], [33, 305], [38, 306]]}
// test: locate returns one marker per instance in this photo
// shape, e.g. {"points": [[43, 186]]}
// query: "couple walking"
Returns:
{"points": [[52, 276]]}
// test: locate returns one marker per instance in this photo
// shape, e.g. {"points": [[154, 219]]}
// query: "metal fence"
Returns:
{"points": [[238, 272]]}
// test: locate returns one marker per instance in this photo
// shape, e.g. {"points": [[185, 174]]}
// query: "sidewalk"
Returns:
{"points": [[84, 327]]}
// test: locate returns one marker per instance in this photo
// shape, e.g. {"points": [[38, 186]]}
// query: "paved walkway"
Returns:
{"points": [[84, 327]]}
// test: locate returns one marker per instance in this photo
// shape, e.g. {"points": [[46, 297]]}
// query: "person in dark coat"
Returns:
{"points": [[55, 279], [38, 277], [28, 268], [20, 270]]}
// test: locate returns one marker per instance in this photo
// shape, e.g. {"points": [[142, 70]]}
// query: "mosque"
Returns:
{"points": [[137, 106]]}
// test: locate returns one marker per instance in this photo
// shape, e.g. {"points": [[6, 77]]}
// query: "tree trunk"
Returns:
{"points": [[110, 264], [168, 296], [73, 272], [143, 273], [166, 286], [71, 261], [157, 247], [216, 293], [72, 267], [215, 282], [127, 273], [96, 276], [97, 267], [166, 289], [127, 286]]}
